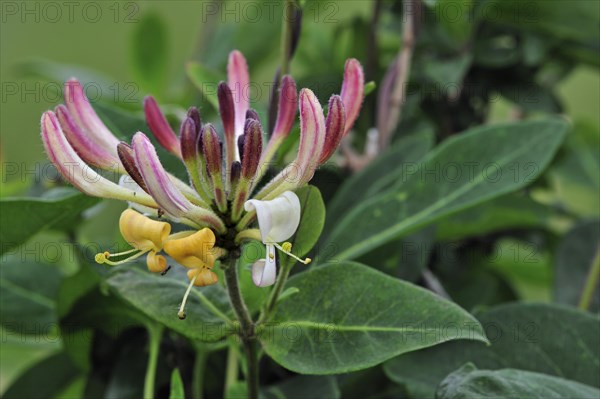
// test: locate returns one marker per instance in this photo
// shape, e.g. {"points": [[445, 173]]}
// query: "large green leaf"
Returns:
{"points": [[507, 212], [547, 339], [348, 317], [150, 51], [28, 296], [386, 171], [462, 172], [573, 261], [21, 218], [158, 297], [470, 383]]}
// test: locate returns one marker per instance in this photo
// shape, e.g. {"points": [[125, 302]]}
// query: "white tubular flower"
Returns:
{"points": [[278, 220]]}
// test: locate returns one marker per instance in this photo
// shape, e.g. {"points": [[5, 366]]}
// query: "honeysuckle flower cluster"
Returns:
{"points": [[222, 198]]}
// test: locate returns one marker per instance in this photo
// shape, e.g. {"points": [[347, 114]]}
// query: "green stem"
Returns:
{"points": [[231, 373], [198, 379], [154, 335], [275, 292], [591, 282], [246, 332], [286, 36]]}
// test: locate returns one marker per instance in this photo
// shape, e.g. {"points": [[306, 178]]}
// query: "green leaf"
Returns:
{"points": [[43, 380], [311, 224], [546, 339], [369, 87], [206, 81], [177, 391], [21, 218], [303, 386], [349, 317], [385, 172], [573, 261], [462, 172], [150, 51], [507, 212], [158, 297], [469, 382], [28, 296], [525, 264], [576, 177]]}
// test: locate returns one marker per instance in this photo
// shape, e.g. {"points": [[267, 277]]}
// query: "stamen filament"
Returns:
{"points": [[121, 253], [305, 261], [181, 314], [103, 258]]}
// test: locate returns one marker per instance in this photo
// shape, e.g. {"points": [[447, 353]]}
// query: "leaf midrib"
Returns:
{"points": [[353, 328]]}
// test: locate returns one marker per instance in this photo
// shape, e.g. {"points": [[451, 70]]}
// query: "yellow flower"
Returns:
{"points": [[194, 251], [145, 236]]}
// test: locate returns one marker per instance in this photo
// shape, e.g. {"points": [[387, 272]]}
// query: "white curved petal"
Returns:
{"points": [[264, 271], [278, 218]]}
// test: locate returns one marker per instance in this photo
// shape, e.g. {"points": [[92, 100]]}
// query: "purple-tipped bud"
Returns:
{"points": [[127, 157], [252, 148], [228, 115], [188, 137], [159, 126], [353, 89], [334, 127], [211, 147], [252, 114], [236, 171], [226, 108], [288, 100], [195, 115]]}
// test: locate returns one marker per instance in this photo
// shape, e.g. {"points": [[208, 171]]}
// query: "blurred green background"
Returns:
{"points": [[106, 45], [104, 42]]}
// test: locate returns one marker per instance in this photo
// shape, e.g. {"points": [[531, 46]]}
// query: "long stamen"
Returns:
{"points": [[109, 255], [181, 314], [103, 257], [286, 248]]}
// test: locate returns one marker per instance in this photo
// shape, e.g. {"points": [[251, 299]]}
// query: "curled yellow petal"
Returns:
{"points": [[194, 251], [156, 263], [204, 277], [141, 232]]}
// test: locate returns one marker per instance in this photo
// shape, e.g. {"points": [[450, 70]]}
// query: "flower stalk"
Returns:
{"points": [[247, 327]]}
